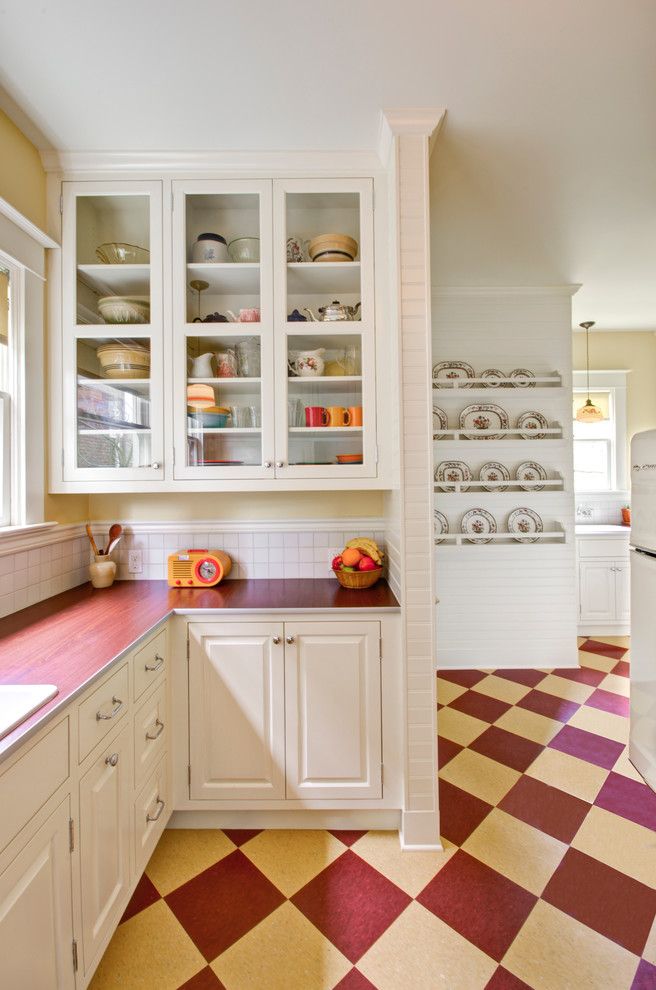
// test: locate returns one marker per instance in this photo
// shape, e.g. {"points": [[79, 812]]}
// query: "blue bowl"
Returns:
{"points": [[209, 419]]}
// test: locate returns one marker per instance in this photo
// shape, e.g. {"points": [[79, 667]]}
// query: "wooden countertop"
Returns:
{"points": [[71, 639]]}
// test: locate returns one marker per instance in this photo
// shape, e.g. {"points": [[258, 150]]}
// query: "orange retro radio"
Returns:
{"points": [[198, 568]]}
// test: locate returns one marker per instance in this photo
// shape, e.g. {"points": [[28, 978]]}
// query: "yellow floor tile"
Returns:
{"points": [[290, 858], [555, 952], [410, 871], [623, 641], [183, 853], [283, 952], [606, 724], [617, 842], [448, 692], [649, 951], [567, 773], [626, 768], [487, 779], [515, 849], [420, 952], [596, 661], [501, 689], [530, 725], [560, 687], [616, 684], [458, 727], [152, 949]]}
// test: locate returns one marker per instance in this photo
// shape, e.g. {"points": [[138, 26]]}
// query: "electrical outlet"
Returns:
{"points": [[135, 561], [584, 512]]}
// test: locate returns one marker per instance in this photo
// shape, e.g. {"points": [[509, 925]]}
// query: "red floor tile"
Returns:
{"points": [[582, 675], [545, 808], [548, 705], [480, 706], [645, 978], [351, 903], [483, 906], [348, 837], [603, 649], [503, 980], [224, 902], [587, 746], [629, 799], [621, 668], [610, 902], [529, 678], [354, 981], [446, 750], [608, 701], [465, 678], [205, 980], [507, 747], [460, 812], [145, 894], [241, 835]]}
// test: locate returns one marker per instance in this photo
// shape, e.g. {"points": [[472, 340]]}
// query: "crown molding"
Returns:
{"points": [[29, 228], [244, 162], [505, 290], [408, 120]]}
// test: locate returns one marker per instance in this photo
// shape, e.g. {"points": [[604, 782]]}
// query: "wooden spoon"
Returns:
{"points": [[92, 541], [115, 531], [114, 543]]}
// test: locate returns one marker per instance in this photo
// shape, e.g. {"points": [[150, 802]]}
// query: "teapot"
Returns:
{"points": [[250, 315], [307, 364], [334, 311], [201, 366]]}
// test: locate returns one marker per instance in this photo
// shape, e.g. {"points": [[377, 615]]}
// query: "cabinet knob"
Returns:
{"points": [[280, 464], [276, 640], [289, 639], [112, 760], [268, 464]]}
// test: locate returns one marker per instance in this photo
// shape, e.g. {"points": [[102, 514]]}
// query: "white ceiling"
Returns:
{"points": [[546, 169]]}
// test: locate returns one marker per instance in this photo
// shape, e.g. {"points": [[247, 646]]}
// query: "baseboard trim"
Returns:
{"points": [[382, 819], [609, 630], [420, 831]]}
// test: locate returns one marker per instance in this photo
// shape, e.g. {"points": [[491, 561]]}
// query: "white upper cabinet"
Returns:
{"points": [[220, 334]]}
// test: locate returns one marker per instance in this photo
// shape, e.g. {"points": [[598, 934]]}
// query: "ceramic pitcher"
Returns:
{"points": [[201, 367], [307, 364]]}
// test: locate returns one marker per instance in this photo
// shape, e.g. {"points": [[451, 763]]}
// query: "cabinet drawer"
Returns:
{"points": [[28, 784], [149, 663], [603, 546], [102, 710], [150, 733], [152, 810]]}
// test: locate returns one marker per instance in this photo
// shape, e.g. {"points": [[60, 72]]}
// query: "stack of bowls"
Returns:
{"points": [[333, 247]]}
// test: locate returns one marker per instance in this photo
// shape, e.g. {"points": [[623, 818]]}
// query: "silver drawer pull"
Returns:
{"points": [[159, 663], [117, 703], [112, 760], [160, 809], [160, 729]]}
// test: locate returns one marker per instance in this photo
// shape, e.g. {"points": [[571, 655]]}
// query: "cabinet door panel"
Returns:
{"points": [[237, 720], [622, 592], [332, 687], [597, 591], [104, 842], [36, 918]]}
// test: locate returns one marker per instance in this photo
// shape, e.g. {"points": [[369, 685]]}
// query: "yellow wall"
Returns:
{"points": [[635, 352], [22, 179]]}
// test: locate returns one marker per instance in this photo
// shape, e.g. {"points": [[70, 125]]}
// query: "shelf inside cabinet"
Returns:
{"points": [[229, 431], [136, 386], [116, 280], [233, 384], [225, 278], [325, 432], [335, 384], [311, 277]]}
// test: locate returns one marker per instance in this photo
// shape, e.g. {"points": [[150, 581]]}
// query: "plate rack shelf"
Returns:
{"points": [[554, 432], [499, 487], [553, 380], [492, 539]]}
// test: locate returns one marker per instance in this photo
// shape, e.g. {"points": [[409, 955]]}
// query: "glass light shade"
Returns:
{"points": [[589, 413]]}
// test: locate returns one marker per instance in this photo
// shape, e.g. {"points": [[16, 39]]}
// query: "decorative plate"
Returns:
{"points": [[451, 371], [491, 375], [483, 416], [522, 378], [440, 423], [440, 525], [524, 521], [449, 472], [531, 471], [532, 421], [493, 471], [477, 523]]}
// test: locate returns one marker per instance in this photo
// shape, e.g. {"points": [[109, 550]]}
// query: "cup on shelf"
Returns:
{"points": [[255, 416], [338, 416], [316, 416], [294, 412], [241, 416], [226, 363], [355, 415], [249, 362]]}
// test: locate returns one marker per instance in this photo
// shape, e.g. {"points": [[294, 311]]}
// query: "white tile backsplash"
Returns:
{"points": [[29, 576], [606, 508]]}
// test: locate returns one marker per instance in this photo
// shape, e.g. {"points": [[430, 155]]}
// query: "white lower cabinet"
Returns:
{"points": [[604, 588], [622, 591], [105, 797], [152, 809], [36, 914], [285, 710]]}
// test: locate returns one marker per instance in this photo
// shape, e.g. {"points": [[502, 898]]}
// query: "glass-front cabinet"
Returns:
{"points": [[245, 338]]}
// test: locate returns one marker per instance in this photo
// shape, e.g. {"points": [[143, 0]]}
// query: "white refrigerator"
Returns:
{"points": [[642, 729]]}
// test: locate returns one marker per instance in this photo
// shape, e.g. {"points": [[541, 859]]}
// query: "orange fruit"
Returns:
{"points": [[351, 557]]}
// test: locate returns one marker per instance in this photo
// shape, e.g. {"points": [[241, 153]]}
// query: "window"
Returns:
{"points": [[600, 448], [6, 393]]}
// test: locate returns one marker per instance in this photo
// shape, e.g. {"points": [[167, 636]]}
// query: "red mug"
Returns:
{"points": [[316, 416]]}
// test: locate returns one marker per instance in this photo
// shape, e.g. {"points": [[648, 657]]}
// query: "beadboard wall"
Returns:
{"points": [[507, 605]]}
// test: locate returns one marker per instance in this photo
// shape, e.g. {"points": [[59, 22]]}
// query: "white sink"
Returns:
{"points": [[19, 701]]}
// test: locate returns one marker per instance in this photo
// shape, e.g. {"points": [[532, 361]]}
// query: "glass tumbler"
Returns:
{"points": [[240, 417], [249, 364]]}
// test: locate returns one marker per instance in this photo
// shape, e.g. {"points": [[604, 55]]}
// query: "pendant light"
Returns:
{"points": [[588, 413]]}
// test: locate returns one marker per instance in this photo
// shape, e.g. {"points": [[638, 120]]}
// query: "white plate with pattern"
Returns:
{"points": [[452, 371], [522, 378], [477, 524], [440, 525], [440, 423], [531, 471], [493, 471], [449, 473], [525, 522], [532, 422], [483, 416], [492, 376]]}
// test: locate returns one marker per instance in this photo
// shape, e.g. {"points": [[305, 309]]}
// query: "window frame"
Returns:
{"points": [[12, 414], [614, 382]]}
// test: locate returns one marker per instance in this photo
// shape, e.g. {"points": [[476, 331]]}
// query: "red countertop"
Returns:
{"points": [[71, 639]]}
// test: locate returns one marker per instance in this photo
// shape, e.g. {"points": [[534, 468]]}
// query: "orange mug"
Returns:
{"points": [[355, 415], [338, 416]]}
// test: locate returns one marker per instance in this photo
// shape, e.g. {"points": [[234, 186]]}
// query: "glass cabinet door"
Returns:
{"points": [[223, 329], [112, 331], [325, 329]]}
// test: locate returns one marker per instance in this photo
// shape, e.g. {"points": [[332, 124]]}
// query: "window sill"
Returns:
{"points": [[14, 538]]}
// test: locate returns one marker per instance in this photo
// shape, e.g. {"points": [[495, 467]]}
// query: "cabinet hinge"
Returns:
{"points": [[187, 649], [61, 204], [63, 457], [373, 198], [172, 200], [75, 955], [376, 454], [71, 834], [189, 775], [380, 648], [382, 774]]}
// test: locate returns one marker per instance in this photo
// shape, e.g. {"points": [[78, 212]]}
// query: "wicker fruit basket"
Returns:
{"points": [[358, 580]]}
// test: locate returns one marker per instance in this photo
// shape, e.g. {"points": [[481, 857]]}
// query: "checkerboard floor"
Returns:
{"points": [[547, 879]]}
